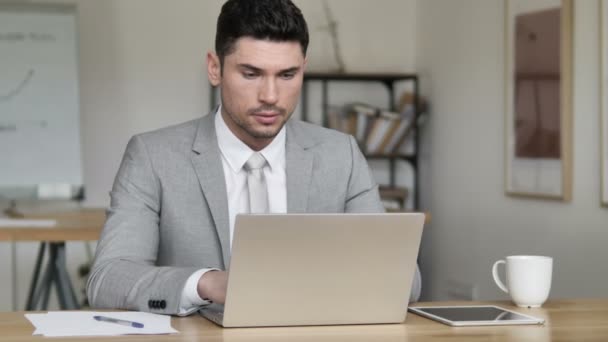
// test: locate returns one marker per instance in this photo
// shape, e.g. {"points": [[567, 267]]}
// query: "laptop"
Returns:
{"points": [[319, 269]]}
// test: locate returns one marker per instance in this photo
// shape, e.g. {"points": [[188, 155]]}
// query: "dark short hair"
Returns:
{"points": [[274, 20]]}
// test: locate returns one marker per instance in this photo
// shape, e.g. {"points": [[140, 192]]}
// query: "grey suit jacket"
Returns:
{"points": [[168, 215]]}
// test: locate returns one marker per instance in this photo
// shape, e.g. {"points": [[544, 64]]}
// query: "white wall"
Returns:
{"points": [[142, 68], [460, 52], [364, 30]]}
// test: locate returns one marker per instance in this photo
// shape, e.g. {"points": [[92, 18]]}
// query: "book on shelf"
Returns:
{"points": [[403, 142], [395, 139], [350, 124], [403, 133], [382, 129], [378, 131], [393, 198], [343, 119], [359, 116], [334, 118]]}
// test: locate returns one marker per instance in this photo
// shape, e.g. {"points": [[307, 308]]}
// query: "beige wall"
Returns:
{"points": [[461, 55]]}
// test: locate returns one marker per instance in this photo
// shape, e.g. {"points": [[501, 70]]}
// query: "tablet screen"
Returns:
{"points": [[461, 315]]}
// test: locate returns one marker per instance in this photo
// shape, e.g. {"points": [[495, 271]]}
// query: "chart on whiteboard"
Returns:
{"points": [[39, 99]]}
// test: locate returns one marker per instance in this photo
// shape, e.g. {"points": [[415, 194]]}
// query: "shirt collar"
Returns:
{"points": [[237, 152]]}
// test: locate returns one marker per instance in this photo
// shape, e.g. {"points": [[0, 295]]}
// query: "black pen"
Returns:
{"points": [[118, 321]]}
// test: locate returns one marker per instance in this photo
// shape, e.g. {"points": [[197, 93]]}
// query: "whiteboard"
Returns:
{"points": [[39, 101]]}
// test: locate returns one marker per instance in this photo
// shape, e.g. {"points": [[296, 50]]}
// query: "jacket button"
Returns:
{"points": [[150, 303], [163, 304]]}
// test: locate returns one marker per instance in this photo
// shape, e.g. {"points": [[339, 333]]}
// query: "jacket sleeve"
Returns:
{"points": [[124, 274]]}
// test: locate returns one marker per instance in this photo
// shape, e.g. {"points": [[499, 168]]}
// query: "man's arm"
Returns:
{"points": [[124, 274], [363, 197]]}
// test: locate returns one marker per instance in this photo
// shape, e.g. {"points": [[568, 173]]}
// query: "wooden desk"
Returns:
{"points": [[567, 320], [78, 225], [81, 225]]}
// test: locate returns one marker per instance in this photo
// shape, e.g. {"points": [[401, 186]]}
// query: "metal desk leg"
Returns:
{"points": [[55, 273], [43, 288], [57, 276], [14, 275], [30, 297], [64, 285]]}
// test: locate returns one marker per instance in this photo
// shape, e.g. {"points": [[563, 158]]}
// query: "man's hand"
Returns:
{"points": [[212, 286]]}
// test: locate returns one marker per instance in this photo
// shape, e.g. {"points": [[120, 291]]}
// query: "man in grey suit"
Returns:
{"points": [[165, 247]]}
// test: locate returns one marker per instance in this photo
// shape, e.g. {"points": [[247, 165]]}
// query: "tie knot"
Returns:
{"points": [[256, 161]]}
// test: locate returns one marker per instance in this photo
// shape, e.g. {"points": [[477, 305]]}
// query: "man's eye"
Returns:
{"points": [[288, 76], [249, 75]]}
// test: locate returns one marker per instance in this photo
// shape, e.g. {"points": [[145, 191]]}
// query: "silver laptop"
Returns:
{"points": [[319, 269]]}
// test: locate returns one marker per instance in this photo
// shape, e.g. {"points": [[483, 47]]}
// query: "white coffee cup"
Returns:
{"points": [[528, 279]]}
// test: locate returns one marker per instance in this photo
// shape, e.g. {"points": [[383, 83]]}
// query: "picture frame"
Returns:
{"points": [[604, 101], [538, 99]]}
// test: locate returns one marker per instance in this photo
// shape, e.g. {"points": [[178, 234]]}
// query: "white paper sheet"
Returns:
{"points": [[82, 323]]}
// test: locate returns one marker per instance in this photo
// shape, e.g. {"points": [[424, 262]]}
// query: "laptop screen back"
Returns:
{"points": [[314, 269]]}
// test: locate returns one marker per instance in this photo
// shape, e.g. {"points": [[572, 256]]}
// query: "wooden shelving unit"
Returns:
{"points": [[388, 191]]}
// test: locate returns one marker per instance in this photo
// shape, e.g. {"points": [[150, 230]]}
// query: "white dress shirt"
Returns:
{"points": [[234, 153]]}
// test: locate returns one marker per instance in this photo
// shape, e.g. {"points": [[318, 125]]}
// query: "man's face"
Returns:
{"points": [[260, 85]]}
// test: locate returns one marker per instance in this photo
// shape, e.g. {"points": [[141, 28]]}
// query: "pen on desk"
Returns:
{"points": [[118, 321]]}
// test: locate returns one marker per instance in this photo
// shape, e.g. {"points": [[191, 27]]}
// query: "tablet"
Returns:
{"points": [[460, 316]]}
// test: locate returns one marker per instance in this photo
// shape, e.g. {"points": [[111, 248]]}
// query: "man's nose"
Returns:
{"points": [[269, 92]]}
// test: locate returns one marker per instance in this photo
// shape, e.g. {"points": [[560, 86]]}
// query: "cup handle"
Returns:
{"points": [[497, 280]]}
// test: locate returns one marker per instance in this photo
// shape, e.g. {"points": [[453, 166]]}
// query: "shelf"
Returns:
{"points": [[393, 193], [388, 80], [409, 158], [378, 77]]}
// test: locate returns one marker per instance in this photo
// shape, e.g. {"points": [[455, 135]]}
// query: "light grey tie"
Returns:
{"points": [[256, 183]]}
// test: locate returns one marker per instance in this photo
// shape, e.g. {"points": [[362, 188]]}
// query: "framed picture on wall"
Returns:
{"points": [[538, 98], [604, 99]]}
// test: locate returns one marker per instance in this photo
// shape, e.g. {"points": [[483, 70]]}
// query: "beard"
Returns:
{"points": [[266, 132]]}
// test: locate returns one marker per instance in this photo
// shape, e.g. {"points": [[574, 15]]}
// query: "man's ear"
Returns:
{"points": [[214, 69]]}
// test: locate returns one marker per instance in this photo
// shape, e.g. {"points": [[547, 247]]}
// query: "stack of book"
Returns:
{"points": [[378, 131]]}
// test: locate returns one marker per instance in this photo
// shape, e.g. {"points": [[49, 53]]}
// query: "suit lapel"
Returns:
{"points": [[298, 169], [207, 164]]}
